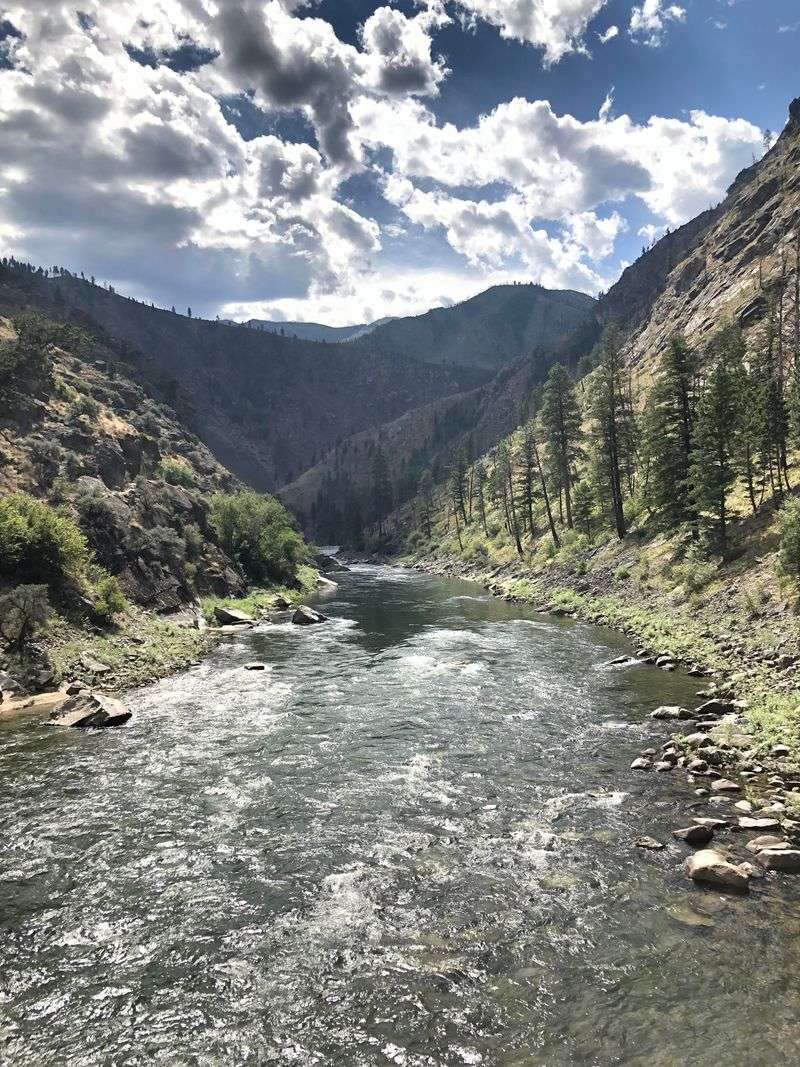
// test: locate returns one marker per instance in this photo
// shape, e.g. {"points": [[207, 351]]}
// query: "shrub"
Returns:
{"points": [[789, 549], [258, 532], [38, 543], [26, 364], [23, 612], [106, 596], [194, 540], [695, 572], [177, 472]]}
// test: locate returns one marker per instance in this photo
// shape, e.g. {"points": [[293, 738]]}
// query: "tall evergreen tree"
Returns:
{"points": [[612, 429], [716, 427], [381, 495], [527, 478], [561, 425], [480, 492], [670, 428]]}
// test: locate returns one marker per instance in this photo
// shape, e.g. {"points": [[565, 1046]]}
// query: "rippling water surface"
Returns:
{"points": [[410, 841]]}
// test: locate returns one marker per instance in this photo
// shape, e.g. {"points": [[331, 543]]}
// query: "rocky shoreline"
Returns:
{"points": [[750, 790]]}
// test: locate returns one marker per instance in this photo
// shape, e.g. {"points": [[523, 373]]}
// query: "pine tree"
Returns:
{"points": [[561, 426], [425, 501], [583, 506], [717, 424], [670, 429], [381, 496], [527, 478], [505, 466], [480, 493], [613, 431]]}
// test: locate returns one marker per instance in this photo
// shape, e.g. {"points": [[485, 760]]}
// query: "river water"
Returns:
{"points": [[410, 841]]}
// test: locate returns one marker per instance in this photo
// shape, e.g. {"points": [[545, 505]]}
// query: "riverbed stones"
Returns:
{"points": [[758, 844], [641, 764], [780, 859], [649, 844], [709, 820], [695, 835], [305, 616], [725, 785], [233, 617], [780, 751], [670, 711], [712, 868], [664, 766], [90, 711], [762, 824]]}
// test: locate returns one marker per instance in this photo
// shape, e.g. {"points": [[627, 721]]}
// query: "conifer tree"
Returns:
{"points": [[716, 427], [670, 430], [583, 506], [380, 488], [527, 478], [561, 426], [480, 493], [612, 431]]}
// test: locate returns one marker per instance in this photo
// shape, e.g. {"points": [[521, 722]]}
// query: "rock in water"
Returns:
{"points": [[90, 710], [641, 764], [725, 785], [781, 859], [695, 835], [255, 666], [649, 843], [758, 823], [711, 868], [233, 617], [305, 616]]}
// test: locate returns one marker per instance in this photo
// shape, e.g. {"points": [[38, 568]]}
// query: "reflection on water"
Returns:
{"points": [[409, 842]]}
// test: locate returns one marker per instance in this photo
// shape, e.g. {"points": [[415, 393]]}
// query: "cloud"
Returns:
{"points": [[398, 52], [791, 27], [609, 34], [556, 26], [649, 21]]}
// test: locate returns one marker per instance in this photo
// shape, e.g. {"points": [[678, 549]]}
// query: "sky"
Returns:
{"points": [[339, 161]]}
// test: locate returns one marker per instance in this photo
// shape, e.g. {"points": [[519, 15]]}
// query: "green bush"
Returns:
{"points": [[258, 532], [106, 596], [39, 544], [177, 472]]}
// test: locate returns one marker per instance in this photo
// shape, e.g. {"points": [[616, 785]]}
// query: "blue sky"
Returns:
{"points": [[341, 160]]}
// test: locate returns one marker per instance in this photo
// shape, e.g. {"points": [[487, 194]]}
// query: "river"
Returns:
{"points": [[409, 841]]}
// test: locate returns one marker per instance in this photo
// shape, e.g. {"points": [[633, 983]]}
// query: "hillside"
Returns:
{"points": [[315, 331], [489, 331], [267, 406], [694, 401]]}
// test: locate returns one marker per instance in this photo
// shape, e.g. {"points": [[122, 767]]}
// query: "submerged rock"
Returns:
{"points": [[255, 666], [305, 616], [90, 711], [710, 867]]}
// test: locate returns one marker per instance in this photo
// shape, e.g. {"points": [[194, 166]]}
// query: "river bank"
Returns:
{"points": [[142, 647], [736, 744]]}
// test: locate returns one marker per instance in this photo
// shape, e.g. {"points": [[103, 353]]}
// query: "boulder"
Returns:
{"points": [[695, 835], [781, 859], [305, 616], [664, 766], [725, 785], [94, 666], [780, 751], [641, 764], [758, 844], [90, 710], [749, 823], [712, 868], [670, 711], [233, 617], [707, 820], [282, 604]]}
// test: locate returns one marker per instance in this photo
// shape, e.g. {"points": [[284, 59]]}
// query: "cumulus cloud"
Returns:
{"points": [[609, 34], [555, 26], [650, 21], [118, 157]]}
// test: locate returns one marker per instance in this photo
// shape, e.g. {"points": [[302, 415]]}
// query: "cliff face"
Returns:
{"points": [[723, 265]]}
